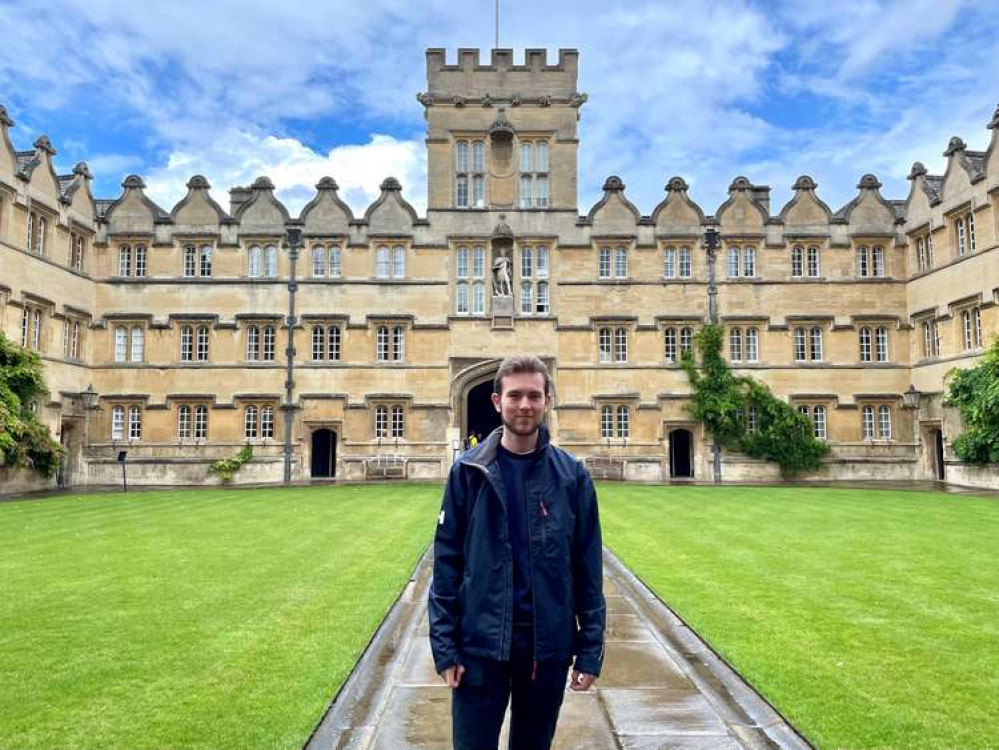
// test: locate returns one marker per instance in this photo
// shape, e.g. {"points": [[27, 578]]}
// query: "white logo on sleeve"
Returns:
{"points": [[440, 518]]}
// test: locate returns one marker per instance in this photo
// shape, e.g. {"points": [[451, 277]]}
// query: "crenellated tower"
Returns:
{"points": [[502, 136]]}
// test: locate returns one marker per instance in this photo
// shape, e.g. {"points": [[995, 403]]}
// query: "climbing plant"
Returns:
{"points": [[24, 441], [226, 468], [975, 393], [723, 401]]}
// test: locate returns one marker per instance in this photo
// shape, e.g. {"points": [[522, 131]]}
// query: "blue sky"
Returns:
{"points": [[298, 90]]}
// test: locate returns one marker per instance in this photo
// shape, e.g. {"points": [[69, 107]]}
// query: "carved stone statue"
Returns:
{"points": [[502, 277]]}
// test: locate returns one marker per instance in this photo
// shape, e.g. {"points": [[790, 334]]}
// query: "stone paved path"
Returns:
{"points": [[661, 687]]}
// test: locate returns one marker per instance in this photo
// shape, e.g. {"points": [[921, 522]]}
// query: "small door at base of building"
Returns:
{"points": [[323, 454]]}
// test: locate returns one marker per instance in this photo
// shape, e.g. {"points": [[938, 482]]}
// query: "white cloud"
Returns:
{"points": [[238, 158]]}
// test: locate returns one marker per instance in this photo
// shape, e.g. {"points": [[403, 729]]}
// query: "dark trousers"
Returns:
{"points": [[479, 703]]}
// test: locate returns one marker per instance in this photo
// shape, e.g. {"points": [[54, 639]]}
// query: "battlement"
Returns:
{"points": [[502, 77]]}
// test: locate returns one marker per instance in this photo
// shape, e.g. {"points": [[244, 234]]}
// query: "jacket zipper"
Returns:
{"points": [[485, 472], [534, 607]]}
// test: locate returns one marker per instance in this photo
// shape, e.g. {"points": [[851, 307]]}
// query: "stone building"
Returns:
{"points": [[175, 323]]}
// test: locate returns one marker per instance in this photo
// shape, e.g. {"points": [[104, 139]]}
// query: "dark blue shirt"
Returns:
{"points": [[514, 468]]}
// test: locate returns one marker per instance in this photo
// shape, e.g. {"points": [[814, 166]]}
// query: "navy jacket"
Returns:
{"points": [[471, 595]]}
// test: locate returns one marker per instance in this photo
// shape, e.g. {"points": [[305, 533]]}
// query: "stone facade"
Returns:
{"points": [[179, 319]]}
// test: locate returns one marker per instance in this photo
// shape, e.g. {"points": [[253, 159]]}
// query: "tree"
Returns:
{"points": [[721, 401], [975, 393], [24, 441]]}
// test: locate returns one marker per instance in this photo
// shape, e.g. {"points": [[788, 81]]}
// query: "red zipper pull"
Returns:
{"points": [[534, 672], [544, 510]]}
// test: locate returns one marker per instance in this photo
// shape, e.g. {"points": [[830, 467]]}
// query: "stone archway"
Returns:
{"points": [[475, 378]]}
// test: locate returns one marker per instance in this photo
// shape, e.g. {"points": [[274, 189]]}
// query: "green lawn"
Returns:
{"points": [[205, 618], [870, 619]]}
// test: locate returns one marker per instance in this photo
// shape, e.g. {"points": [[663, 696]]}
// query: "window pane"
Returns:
{"points": [[268, 352], [478, 191], [267, 422], [333, 338], [605, 263], [318, 343], [382, 262], [752, 344], [255, 258], [318, 261], [526, 298], [542, 260], [796, 261], [733, 262], [462, 298], [749, 262], [335, 262], [399, 262], [526, 263], [526, 157], [479, 262], [604, 344], [140, 260], [125, 261], [816, 341], [621, 263], [621, 345], [184, 422], [461, 263], [526, 192], [478, 298], [120, 343], [685, 262], [669, 345], [623, 422], [669, 262], [461, 191], [206, 261], [542, 298], [542, 198], [250, 422], [478, 156], [542, 157], [270, 261], [138, 344], [461, 156]]}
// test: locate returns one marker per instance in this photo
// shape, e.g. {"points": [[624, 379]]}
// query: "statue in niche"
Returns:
{"points": [[502, 276]]}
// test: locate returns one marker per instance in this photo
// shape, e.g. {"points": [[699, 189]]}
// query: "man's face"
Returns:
{"points": [[522, 403]]}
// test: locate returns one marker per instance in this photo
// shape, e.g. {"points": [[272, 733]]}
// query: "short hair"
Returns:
{"points": [[527, 363]]}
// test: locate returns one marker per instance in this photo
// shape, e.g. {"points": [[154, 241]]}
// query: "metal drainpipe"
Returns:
{"points": [[294, 239], [712, 240]]}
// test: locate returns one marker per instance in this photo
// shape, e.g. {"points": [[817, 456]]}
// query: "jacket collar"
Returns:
{"points": [[483, 456]]}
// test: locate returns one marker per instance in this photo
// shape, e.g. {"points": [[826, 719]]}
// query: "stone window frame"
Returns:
{"points": [[468, 172], [538, 172], [811, 410], [132, 260]]}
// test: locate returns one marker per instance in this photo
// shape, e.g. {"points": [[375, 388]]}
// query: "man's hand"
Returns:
{"points": [[580, 681], [452, 675]]}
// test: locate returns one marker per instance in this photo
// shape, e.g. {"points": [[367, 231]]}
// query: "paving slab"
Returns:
{"points": [[662, 687]]}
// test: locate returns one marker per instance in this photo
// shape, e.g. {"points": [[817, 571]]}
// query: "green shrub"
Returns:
{"points": [[24, 441], [975, 393]]}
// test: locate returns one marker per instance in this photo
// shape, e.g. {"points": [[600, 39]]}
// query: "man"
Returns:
{"points": [[517, 586]]}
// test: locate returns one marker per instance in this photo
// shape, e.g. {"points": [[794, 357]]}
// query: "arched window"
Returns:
{"points": [[815, 349], [268, 348], [685, 264], [461, 263], [749, 261], [250, 422], [138, 343], [184, 422], [190, 261], [399, 262], [526, 263], [206, 260], [865, 345], [186, 343], [814, 268], [867, 422], [884, 422], [863, 261], [202, 343], [542, 262], [118, 423], [120, 344], [200, 422], [256, 259], [140, 260], [686, 340], [381, 421], [526, 298], [966, 329], [124, 260], [607, 421], [797, 261], [526, 191], [800, 348], [270, 261], [318, 343], [669, 262], [621, 345], [461, 156], [318, 261], [669, 345], [735, 344], [478, 156], [335, 262], [961, 241], [819, 422], [398, 343], [382, 262], [398, 422], [252, 343], [333, 341], [881, 344], [604, 269], [623, 421], [479, 262], [621, 263], [382, 344], [604, 345], [752, 345], [461, 298], [267, 422], [733, 262], [134, 423]]}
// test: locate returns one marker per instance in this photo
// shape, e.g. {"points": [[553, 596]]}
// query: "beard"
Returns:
{"points": [[523, 426]]}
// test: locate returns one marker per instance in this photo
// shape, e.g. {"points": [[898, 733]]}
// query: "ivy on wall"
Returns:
{"points": [[722, 401], [226, 468], [975, 394], [24, 441]]}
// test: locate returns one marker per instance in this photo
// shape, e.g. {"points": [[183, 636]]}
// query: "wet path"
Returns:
{"points": [[661, 687]]}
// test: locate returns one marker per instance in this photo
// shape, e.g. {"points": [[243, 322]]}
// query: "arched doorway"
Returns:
{"points": [[323, 454], [938, 453], [681, 454], [482, 417]]}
